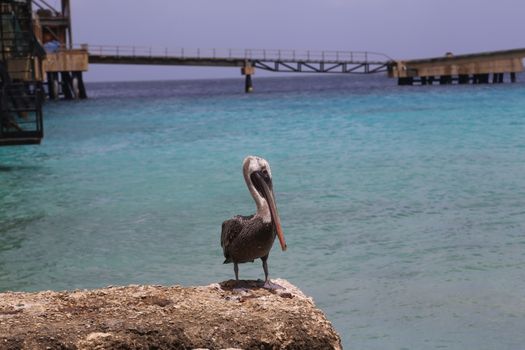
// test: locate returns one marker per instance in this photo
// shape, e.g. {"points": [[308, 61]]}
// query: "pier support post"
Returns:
{"points": [[500, 78], [67, 86], [481, 78], [423, 80], [445, 79], [513, 77], [248, 71], [463, 79], [52, 85], [405, 81], [78, 85], [248, 84]]}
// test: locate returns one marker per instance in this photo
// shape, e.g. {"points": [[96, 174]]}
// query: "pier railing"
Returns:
{"points": [[328, 56]]}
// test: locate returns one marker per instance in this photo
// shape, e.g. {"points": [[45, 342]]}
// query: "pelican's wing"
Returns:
{"points": [[230, 231]]}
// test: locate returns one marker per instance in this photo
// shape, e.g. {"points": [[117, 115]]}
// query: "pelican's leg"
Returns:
{"points": [[267, 283], [238, 284], [265, 268]]}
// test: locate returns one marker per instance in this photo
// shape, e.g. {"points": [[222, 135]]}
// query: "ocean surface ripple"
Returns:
{"points": [[403, 207]]}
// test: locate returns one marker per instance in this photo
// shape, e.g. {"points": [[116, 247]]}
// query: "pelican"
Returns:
{"points": [[246, 238]]}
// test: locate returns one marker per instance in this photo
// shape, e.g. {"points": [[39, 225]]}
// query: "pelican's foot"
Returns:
{"points": [[272, 286]]}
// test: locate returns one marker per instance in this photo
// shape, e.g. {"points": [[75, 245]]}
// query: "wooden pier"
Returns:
{"points": [[475, 68]]}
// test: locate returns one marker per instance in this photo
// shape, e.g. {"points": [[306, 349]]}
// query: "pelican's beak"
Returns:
{"points": [[264, 183]]}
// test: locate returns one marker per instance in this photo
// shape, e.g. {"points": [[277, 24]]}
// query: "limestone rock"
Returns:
{"points": [[225, 315]]}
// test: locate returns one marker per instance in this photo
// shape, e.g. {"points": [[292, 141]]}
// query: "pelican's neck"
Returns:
{"points": [[263, 210]]}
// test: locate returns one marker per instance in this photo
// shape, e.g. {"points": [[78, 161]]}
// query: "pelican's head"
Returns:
{"points": [[258, 177]]}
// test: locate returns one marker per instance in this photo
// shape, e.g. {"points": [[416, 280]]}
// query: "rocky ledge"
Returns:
{"points": [[218, 316]]}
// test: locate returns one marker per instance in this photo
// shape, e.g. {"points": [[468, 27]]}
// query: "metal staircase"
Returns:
{"points": [[21, 93]]}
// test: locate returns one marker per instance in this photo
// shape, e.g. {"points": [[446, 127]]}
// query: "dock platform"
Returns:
{"points": [[474, 68]]}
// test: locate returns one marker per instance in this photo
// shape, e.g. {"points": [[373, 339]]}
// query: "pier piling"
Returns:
{"points": [[445, 79], [248, 71], [52, 85], [405, 81], [67, 86], [248, 85], [463, 79], [78, 83]]}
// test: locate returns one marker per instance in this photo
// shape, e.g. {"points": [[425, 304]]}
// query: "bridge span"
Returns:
{"points": [[290, 61]]}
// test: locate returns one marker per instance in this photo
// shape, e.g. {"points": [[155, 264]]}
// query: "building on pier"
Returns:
{"points": [[63, 65]]}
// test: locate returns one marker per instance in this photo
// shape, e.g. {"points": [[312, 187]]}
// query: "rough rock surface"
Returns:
{"points": [[218, 316]]}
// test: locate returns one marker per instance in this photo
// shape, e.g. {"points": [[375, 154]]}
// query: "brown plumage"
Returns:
{"points": [[246, 238]]}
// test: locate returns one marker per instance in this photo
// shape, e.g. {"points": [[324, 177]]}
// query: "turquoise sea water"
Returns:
{"points": [[403, 207]]}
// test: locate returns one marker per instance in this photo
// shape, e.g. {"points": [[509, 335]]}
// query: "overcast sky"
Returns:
{"points": [[400, 28]]}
